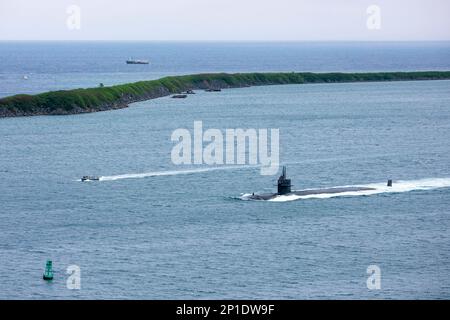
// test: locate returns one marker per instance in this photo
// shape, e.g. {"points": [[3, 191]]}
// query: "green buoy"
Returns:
{"points": [[48, 273]]}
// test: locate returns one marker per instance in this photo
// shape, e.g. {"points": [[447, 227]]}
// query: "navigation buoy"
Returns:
{"points": [[389, 184], [48, 273]]}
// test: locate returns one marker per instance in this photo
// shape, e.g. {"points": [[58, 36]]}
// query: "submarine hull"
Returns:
{"points": [[270, 196]]}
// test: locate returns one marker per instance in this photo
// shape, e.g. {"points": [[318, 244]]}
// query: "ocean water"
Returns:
{"points": [[153, 230], [66, 65]]}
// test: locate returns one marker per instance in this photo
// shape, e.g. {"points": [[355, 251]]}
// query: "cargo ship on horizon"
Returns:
{"points": [[137, 61]]}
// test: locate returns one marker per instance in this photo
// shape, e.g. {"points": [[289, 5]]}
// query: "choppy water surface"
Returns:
{"points": [[153, 230]]}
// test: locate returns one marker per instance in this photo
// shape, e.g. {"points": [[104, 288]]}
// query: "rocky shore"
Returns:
{"points": [[76, 101]]}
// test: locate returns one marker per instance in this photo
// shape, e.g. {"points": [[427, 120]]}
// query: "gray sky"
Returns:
{"points": [[261, 20]]}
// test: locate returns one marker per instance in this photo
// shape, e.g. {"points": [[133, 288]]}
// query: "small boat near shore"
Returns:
{"points": [[213, 90], [179, 96]]}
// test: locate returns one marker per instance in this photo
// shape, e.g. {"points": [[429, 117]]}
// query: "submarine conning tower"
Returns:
{"points": [[284, 184]]}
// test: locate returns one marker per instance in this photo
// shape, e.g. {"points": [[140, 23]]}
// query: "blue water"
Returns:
{"points": [[66, 65], [183, 231]]}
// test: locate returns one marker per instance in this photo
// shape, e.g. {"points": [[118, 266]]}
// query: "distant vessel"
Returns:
{"points": [[90, 178], [213, 90], [137, 61], [179, 96], [284, 189]]}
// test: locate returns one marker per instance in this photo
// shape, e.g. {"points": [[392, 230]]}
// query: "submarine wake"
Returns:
{"points": [[364, 190]]}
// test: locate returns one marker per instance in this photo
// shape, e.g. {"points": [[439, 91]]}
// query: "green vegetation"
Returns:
{"points": [[119, 96]]}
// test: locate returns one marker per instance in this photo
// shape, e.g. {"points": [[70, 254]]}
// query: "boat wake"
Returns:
{"points": [[376, 188], [200, 170], [168, 173]]}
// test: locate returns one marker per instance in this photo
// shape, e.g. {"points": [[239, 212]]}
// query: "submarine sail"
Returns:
{"points": [[284, 184]]}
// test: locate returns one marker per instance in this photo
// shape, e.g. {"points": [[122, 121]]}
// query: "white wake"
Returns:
{"points": [[398, 186], [170, 173]]}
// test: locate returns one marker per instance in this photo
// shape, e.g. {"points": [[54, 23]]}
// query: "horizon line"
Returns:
{"points": [[206, 40]]}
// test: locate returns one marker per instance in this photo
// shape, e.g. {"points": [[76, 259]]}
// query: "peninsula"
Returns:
{"points": [[104, 98]]}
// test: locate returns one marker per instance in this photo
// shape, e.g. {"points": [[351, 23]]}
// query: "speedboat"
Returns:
{"points": [[89, 178]]}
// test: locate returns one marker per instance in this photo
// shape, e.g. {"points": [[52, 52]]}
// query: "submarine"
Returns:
{"points": [[284, 189]]}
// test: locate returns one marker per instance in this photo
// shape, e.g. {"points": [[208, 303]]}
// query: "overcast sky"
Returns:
{"points": [[260, 20]]}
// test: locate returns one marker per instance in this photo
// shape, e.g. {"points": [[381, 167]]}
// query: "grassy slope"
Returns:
{"points": [[119, 96]]}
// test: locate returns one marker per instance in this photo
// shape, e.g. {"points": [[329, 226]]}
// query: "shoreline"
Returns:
{"points": [[78, 101]]}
